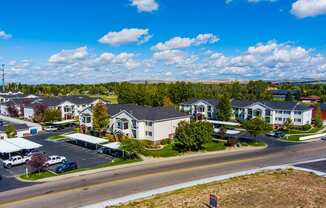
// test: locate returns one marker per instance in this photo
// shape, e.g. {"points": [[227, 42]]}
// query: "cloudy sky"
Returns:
{"points": [[61, 41]]}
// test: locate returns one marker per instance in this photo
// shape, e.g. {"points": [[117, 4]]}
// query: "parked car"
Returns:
{"points": [[66, 166], [323, 138], [50, 128], [271, 133], [55, 159], [103, 150], [15, 160]]}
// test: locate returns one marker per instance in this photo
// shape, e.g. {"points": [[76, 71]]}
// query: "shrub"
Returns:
{"points": [[166, 141]]}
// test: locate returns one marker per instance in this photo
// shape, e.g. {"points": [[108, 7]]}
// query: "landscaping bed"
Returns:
{"points": [[56, 137], [47, 174], [288, 188]]}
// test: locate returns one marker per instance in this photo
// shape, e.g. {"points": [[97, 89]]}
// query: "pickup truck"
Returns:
{"points": [[54, 159], [15, 160]]}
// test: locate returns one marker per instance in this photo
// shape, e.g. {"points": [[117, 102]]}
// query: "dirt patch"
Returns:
{"points": [[288, 188]]}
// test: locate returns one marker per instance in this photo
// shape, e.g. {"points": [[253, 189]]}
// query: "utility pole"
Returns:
{"points": [[3, 78]]}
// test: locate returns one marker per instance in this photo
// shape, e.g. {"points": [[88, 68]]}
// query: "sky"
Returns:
{"points": [[93, 41]]}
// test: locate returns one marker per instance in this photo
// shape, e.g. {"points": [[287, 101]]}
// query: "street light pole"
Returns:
{"points": [[3, 78]]}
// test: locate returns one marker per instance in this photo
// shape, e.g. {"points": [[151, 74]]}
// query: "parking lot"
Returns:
{"points": [[84, 157]]}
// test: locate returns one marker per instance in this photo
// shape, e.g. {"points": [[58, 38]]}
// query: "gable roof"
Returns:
{"points": [[145, 112], [57, 100], [210, 101], [275, 105]]}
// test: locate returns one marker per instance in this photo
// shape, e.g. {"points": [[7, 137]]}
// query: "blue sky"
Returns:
{"points": [[61, 41]]}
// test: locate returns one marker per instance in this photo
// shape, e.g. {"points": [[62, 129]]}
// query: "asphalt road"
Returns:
{"points": [[92, 188], [84, 157], [319, 166]]}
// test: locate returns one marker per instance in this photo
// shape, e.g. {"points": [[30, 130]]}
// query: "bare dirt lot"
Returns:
{"points": [[267, 190]]}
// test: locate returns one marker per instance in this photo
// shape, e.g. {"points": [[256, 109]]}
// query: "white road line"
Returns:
{"points": [[150, 193]]}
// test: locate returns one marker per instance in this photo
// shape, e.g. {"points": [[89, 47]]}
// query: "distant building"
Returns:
{"points": [[70, 106], [282, 94], [139, 122], [310, 99], [273, 112]]}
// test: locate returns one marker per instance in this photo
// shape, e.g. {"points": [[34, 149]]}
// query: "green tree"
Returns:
{"points": [[224, 109], [318, 118], [52, 115], [132, 146], [101, 117], [11, 131], [191, 136], [256, 126], [288, 123], [289, 97]]}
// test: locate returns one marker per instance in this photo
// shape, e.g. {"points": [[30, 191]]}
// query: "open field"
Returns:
{"points": [[269, 189]]}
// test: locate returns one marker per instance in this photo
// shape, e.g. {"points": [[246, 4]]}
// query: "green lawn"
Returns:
{"points": [[295, 137], [57, 137], [38, 176], [166, 151], [113, 98], [47, 174], [214, 146], [256, 143]]}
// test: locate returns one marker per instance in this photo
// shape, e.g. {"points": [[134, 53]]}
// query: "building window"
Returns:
{"points": [[134, 124], [297, 112], [209, 108], [201, 109], [287, 112], [149, 123], [123, 124], [86, 119], [268, 112], [149, 133]]}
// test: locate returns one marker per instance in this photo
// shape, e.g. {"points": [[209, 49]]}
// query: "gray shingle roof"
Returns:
{"points": [[54, 101], [271, 104], [323, 106], [211, 101], [145, 112]]}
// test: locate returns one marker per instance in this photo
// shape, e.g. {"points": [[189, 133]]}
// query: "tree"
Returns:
{"points": [[12, 110], [167, 102], [11, 131], [288, 123], [132, 146], [37, 161], [318, 117], [39, 111], [191, 136], [256, 126], [100, 116], [222, 132], [224, 109], [50, 115]]}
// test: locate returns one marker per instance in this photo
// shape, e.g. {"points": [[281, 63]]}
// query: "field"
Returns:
{"points": [[268, 190]]}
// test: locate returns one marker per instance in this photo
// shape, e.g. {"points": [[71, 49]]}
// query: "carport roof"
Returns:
{"points": [[86, 138], [22, 143], [6, 147], [113, 145]]}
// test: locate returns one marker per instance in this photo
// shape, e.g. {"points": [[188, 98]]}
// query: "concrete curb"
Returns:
{"points": [[151, 193]]}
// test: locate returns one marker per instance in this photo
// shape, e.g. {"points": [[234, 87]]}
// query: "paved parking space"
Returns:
{"points": [[84, 157], [318, 165]]}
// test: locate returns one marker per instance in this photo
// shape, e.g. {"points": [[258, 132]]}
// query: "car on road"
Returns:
{"points": [[271, 134], [50, 128], [66, 166], [15, 160], [276, 134], [54, 159], [323, 138]]}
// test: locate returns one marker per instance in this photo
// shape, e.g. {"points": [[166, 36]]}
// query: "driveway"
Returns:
{"points": [[84, 157]]}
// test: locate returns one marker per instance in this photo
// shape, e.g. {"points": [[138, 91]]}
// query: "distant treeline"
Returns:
{"points": [[167, 93]]}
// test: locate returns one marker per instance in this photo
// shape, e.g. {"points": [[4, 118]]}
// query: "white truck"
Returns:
{"points": [[54, 159], [15, 160]]}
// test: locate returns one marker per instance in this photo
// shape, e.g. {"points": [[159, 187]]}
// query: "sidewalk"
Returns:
{"points": [[146, 161]]}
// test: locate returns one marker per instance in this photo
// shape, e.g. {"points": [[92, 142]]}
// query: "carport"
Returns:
{"points": [[87, 139], [8, 148]]}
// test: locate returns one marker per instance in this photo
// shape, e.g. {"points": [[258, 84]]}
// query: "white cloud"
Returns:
{"points": [[125, 36], [4, 35], [145, 5], [180, 42], [308, 8], [66, 56], [175, 57], [251, 1]]}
